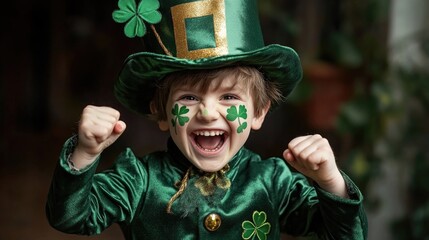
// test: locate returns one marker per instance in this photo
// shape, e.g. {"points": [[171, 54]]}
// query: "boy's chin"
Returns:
{"points": [[212, 167]]}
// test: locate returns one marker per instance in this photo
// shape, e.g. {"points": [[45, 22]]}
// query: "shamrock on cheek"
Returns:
{"points": [[234, 114], [178, 116]]}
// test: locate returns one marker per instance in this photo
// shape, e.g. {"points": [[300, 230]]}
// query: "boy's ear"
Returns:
{"points": [[257, 121], [162, 124]]}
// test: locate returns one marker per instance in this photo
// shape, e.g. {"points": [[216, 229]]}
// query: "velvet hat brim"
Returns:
{"points": [[141, 72]]}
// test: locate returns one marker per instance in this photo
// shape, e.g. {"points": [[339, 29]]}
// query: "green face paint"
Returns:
{"points": [[205, 112], [234, 114], [178, 116]]}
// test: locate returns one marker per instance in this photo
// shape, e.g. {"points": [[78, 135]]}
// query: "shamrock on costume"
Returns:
{"points": [[258, 228]]}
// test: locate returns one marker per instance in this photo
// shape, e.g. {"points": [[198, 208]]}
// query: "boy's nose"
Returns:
{"points": [[208, 112]]}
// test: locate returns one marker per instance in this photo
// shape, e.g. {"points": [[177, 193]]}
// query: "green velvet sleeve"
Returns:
{"points": [[83, 202], [307, 210], [348, 220]]}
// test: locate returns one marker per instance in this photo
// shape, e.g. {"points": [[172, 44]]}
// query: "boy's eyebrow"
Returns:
{"points": [[234, 87], [182, 89]]}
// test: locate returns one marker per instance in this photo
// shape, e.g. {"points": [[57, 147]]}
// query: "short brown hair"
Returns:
{"points": [[263, 92]]}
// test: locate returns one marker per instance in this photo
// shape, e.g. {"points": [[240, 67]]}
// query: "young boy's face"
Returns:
{"points": [[210, 127]]}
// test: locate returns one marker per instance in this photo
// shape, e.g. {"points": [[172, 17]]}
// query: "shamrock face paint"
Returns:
{"points": [[233, 115], [178, 116]]}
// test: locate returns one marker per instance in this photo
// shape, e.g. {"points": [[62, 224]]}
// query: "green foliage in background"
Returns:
{"points": [[412, 147], [387, 119]]}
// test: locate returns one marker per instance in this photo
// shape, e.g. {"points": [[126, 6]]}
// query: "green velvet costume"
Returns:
{"points": [[135, 192]]}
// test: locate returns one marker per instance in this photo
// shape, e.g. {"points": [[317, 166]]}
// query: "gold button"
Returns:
{"points": [[212, 222]]}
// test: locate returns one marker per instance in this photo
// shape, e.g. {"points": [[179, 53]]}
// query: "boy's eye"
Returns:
{"points": [[188, 98], [229, 97]]}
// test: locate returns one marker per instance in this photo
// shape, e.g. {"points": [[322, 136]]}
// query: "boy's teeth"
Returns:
{"points": [[208, 133]]}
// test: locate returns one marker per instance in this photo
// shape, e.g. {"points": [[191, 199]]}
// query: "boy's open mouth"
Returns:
{"points": [[209, 141]]}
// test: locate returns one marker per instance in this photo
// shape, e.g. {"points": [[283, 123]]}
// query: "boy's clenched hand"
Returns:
{"points": [[99, 127], [312, 156]]}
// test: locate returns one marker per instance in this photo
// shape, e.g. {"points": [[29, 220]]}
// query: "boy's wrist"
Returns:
{"points": [[336, 185], [80, 159]]}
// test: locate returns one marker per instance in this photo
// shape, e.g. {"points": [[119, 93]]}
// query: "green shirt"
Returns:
{"points": [[265, 199]]}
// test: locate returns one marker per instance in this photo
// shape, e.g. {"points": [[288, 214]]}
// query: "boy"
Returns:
{"points": [[206, 185]]}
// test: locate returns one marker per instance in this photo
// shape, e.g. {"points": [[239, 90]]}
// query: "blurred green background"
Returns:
{"points": [[365, 88]]}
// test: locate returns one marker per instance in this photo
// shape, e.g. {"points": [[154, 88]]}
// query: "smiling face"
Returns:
{"points": [[209, 126]]}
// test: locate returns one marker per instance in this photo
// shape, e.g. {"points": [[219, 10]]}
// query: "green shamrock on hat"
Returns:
{"points": [[258, 228], [147, 10]]}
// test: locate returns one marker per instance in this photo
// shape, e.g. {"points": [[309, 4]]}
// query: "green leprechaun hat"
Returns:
{"points": [[192, 35]]}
